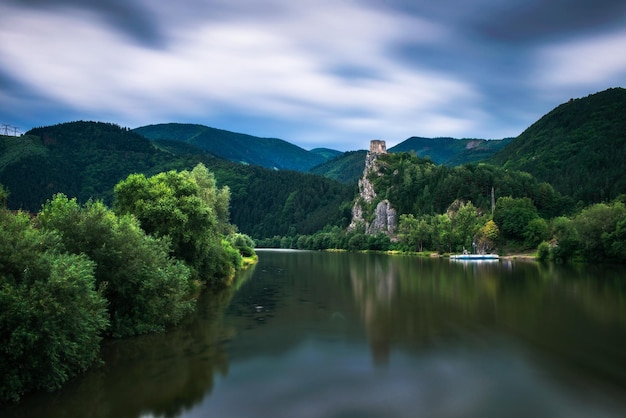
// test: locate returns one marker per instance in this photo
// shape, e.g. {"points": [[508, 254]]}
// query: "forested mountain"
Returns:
{"points": [[327, 153], [346, 168], [451, 151], [266, 152], [86, 160], [579, 147], [417, 186], [80, 159]]}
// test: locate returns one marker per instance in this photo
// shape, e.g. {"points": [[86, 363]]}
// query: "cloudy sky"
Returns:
{"points": [[318, 73]]}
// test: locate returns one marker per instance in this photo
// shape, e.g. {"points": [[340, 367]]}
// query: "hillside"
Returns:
{"points": [[80, 159], [451, 151], [241, 148], [86, 160], [327, 153], [346, 168], [579, 147], [417, 186]]}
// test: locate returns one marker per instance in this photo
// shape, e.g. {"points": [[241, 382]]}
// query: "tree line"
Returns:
{"points": [[446, 210]]}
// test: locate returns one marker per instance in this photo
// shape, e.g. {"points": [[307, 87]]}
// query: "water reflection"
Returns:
{"points": [[152, 375], [313, 334]]}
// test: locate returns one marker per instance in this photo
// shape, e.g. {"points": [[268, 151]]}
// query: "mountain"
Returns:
{"points": [[579, 147], [327, 153], [451, 151], [80, 159], [346, 168], [86, 159], [241, 148]]}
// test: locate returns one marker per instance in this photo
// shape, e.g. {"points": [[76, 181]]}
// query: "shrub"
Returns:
{"points": [[52, 315]]}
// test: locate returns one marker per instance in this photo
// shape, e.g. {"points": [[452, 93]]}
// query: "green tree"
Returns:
{"points": [[242, 243], [615, 242], [444, 233], [536, 232], [407, 232], [3, 197], [466, 225], [52, 316], [595, 224], [488, 236], [512, 215], [175, 206], [218, 200], [565, 242], [146, 289]]}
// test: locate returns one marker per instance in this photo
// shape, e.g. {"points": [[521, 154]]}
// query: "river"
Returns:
{"points": [[316, 334]]}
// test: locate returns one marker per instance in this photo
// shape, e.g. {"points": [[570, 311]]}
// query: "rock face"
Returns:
{"points": [[385, 216]]}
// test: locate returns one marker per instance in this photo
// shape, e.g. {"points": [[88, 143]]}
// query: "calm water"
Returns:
{"points": [[311, 334]]}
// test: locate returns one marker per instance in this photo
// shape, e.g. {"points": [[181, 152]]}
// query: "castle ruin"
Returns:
{"points": [[378, 147]]}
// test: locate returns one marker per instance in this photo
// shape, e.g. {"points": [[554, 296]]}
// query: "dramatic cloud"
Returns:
{"points": [[322, 73]]}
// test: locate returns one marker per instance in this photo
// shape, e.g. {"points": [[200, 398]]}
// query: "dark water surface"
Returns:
{"points": [[311, 334]]}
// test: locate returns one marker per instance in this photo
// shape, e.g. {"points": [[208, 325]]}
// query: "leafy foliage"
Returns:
{"points": [[513, 215], [146, 289], [183, 207], [52, 315], [600, 230]]}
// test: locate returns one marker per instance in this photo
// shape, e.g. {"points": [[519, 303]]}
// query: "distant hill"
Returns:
{"points": [[86, 159], [579, 147], [451, 151], [327, 153], [241, 148], [346, 168]]}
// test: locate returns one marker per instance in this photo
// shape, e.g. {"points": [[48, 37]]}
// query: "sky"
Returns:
{"points": [[318, 73]]}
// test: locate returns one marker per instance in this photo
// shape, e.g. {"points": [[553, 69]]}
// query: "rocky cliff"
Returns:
{"points": [[379, 218]]}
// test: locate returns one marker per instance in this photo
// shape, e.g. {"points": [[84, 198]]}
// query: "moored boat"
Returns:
{"points": [[475, 257]]}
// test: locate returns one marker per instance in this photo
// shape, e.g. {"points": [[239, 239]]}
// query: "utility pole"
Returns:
{"points": [[8, 130]]}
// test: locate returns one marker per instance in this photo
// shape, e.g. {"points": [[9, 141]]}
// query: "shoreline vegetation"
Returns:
{"points": [[74, 275], [526, 256]]}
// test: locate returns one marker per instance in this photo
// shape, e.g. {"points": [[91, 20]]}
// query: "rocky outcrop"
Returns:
{"points": [[384, 216], [385, 220]]}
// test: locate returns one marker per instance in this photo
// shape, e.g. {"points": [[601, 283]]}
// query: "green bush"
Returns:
{"points": [[146, 289], [243, 243], [185, 208], [543, 251], [52, 315]]}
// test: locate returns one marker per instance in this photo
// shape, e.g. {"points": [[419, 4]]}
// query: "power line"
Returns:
{"points": [[9, 130]]}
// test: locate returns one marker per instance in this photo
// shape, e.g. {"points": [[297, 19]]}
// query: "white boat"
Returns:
{"points": [[475, 257]]}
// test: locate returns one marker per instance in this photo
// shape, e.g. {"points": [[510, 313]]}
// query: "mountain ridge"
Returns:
{"points": [[579, 147], [237, 147]]}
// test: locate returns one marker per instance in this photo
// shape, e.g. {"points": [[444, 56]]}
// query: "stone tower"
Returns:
{"points": [[378, 147]]}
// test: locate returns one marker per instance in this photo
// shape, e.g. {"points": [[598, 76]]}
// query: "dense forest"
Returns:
{"points": [[579, 147], [86, 159], [451, 151], [346, 168], [477, 208], [236, 147]]}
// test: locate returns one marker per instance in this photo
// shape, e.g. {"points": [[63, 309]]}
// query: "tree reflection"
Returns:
{"points": [[153, 375], [417, 304]]}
